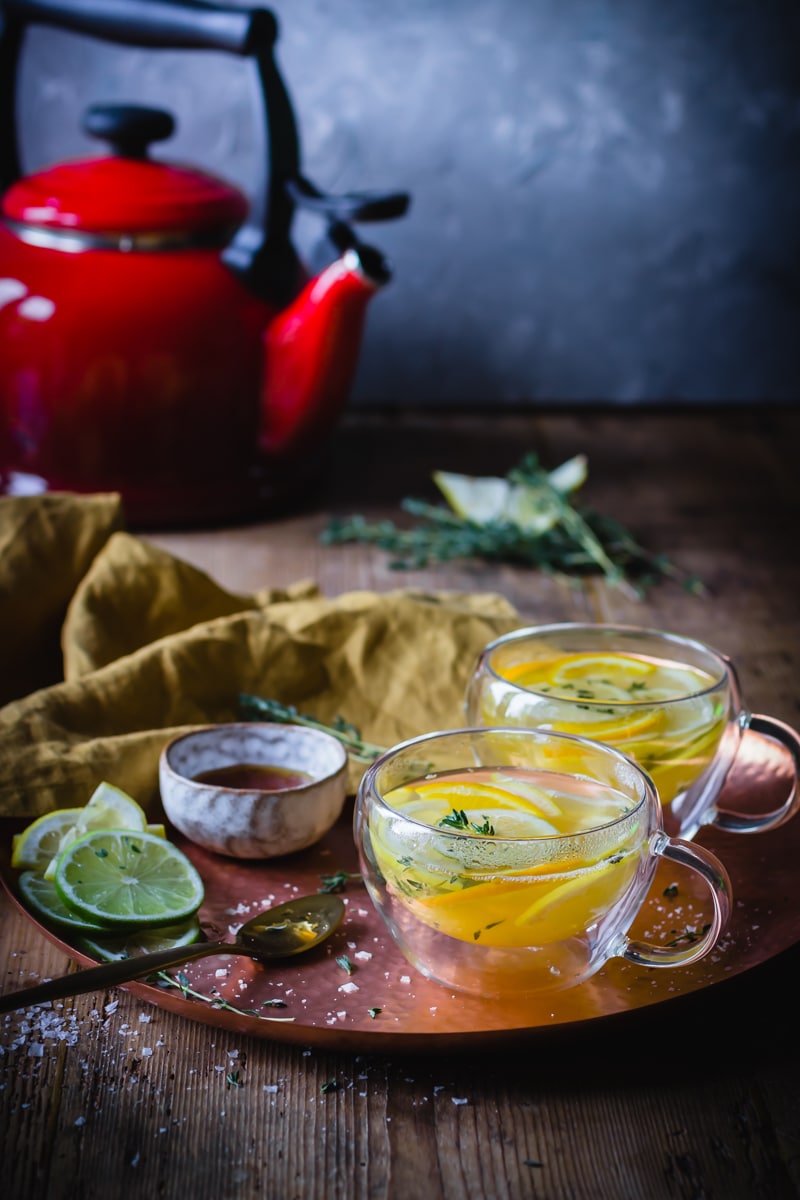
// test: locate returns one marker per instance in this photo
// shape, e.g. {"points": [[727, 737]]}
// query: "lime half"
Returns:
{"points": [[120, 877], [143, 941]]}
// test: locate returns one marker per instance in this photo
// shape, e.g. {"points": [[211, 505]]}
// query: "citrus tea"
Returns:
{"points": [[462, 888], [672, 704], [509, 861], [669, 716]]}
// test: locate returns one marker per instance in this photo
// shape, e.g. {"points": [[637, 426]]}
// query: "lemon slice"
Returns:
{"points": [[143, 941], [108, 808], [696, 718], [41, 896], [429, 802], [578, 901], [39, 841], [120, 877], [614, 669]]}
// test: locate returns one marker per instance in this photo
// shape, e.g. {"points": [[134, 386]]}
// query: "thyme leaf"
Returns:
{"points": [[457, 819], [337, 881], [690, 935]]}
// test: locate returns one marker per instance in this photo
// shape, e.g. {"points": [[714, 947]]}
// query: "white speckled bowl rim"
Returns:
{"points": [[211, 739]]}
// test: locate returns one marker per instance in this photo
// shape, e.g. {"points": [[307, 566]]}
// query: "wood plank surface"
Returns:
{"points": [[107, 1096]]}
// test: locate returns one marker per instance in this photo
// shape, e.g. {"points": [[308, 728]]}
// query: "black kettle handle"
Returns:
{"points": [[163, 24], [262, 251]]}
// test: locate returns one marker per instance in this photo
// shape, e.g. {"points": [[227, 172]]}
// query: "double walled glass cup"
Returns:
{"points": [[671, 703], [508, 861]]}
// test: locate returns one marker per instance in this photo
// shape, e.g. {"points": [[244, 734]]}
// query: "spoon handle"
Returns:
{"points": [[109, 974]]}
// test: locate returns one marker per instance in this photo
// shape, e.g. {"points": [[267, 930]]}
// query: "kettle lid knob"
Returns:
{"points": [[129, 128]]}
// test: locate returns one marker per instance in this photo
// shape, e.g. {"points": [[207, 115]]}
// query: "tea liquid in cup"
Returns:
{"points": [[512, 860], [671, 703]]}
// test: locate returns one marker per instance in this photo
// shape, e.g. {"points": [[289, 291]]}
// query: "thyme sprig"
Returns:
{"points": [[543, 529], [164, 979], [259, 708], [457, 819]]}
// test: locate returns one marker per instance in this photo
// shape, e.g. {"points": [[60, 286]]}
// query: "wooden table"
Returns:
{"points": [[701, 1099]]}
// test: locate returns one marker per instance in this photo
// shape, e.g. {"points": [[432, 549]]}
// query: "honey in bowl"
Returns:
{"points": [[249, 777]]}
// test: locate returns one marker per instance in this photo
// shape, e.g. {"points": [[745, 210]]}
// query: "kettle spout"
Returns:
{"points": [[311, 351]]}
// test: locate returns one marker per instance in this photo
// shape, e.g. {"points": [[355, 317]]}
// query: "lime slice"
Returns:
{"points": [[41, 896], [40, 840], [145, 941], [108, 808], [120, 877]]}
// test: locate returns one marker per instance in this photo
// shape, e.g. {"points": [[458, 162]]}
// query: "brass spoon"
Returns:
{"points": [[280, 932]]}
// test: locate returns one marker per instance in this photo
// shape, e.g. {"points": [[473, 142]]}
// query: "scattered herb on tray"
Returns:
{"points": [[337, 882], [527, 518], [690, 935]]}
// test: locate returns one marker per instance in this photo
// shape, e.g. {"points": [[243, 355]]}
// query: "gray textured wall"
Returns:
{"points": [[606, 192]]}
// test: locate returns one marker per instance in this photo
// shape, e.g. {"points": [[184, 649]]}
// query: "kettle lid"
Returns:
{"points": [[126, 192]]}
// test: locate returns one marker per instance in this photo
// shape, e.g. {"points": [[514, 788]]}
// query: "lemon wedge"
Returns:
{"points": [[487, 498], [108, 808]]}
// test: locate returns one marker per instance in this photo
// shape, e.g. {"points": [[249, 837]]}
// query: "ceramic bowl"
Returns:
{"points": [[251, 820]]}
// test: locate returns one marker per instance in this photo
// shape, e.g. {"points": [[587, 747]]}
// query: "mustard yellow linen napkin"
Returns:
{"points": [[152, 646], [47, 544]]}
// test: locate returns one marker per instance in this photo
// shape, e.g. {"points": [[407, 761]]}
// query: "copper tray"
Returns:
{"points": [[386, 1006]]}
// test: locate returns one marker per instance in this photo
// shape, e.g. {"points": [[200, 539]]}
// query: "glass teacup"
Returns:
{"points": [[509, 861], [671, 703]]}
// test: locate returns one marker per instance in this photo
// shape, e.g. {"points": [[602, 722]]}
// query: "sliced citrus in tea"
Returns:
{"points": [[506, 876], [122, 877]]}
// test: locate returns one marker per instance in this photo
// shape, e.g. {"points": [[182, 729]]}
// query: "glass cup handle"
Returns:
{"points": [[698, 859], [756, 823]]}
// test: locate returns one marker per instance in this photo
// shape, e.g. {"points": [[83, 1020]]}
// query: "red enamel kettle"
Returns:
{"points": [[157, 338]]}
